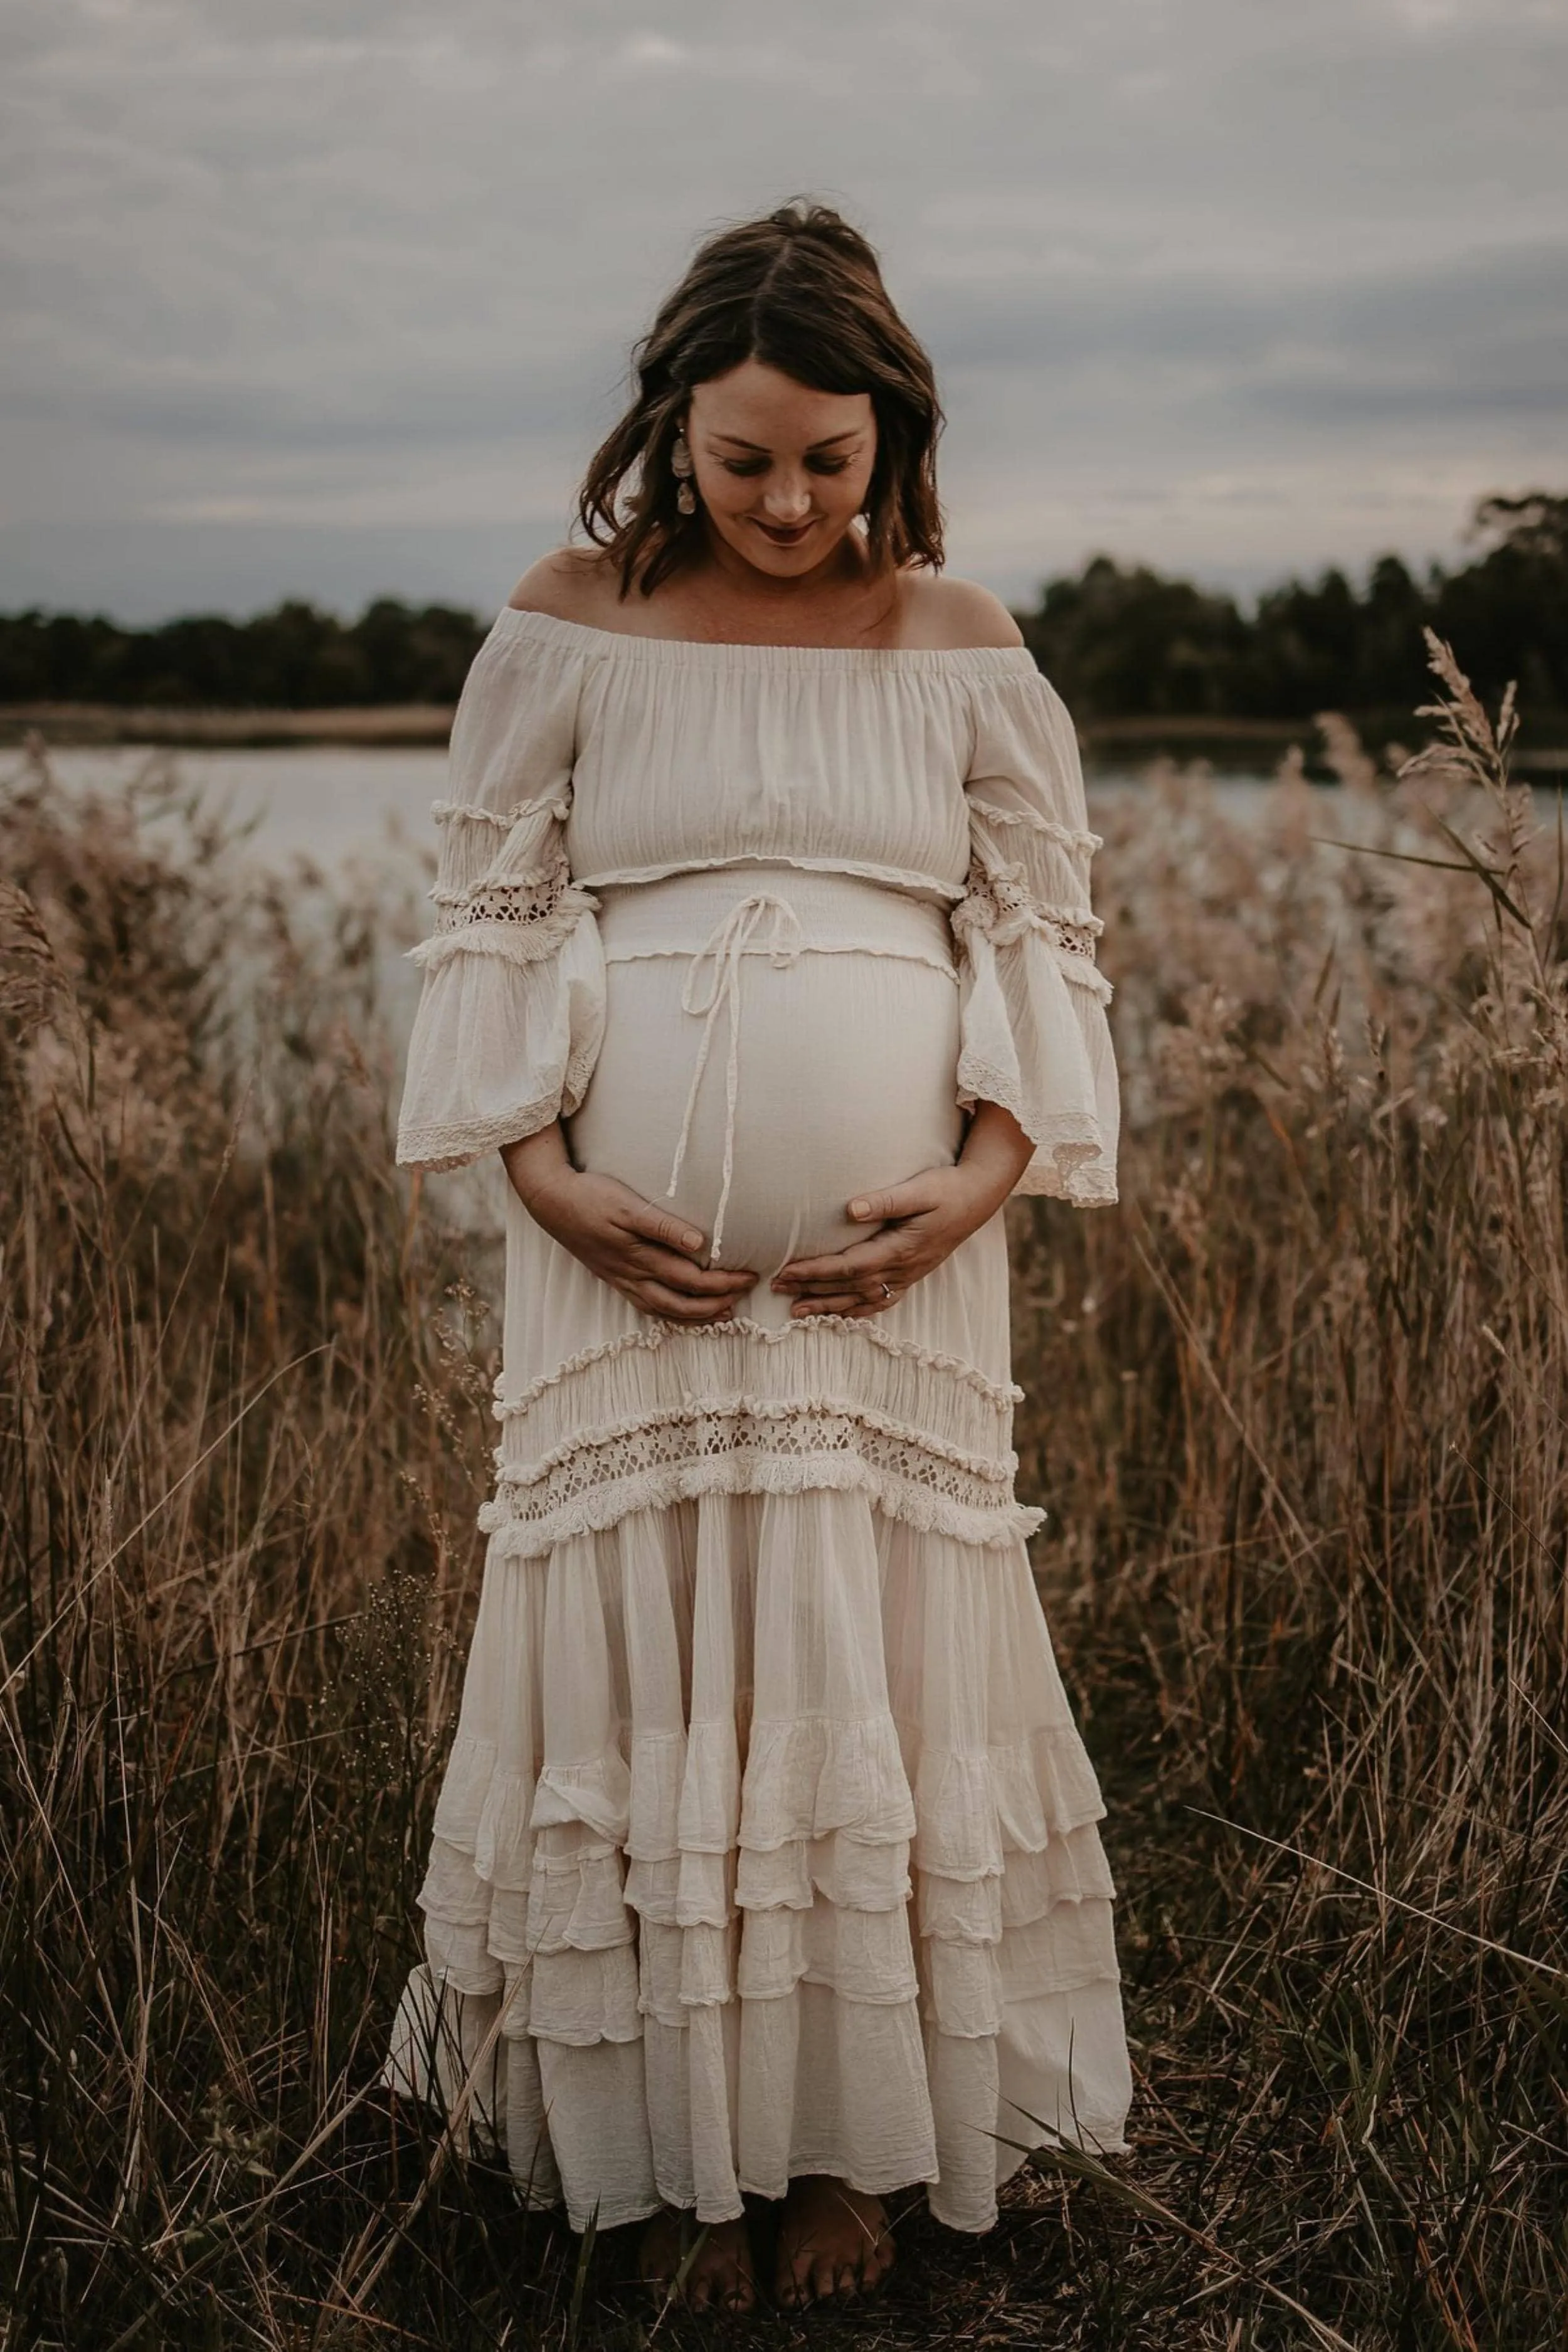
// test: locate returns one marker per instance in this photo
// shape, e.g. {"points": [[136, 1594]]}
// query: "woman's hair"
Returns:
{"points": [[802, 291]]}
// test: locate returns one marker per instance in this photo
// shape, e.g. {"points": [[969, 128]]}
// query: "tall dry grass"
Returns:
{"points": [[1301, 1408], [235, 1442], [1298, 1409]]}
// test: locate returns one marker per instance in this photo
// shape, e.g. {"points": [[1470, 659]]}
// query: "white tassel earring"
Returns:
{"points": [[680, 465]]}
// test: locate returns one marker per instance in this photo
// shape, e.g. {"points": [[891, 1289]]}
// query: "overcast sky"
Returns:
{"points": [[335, 298]]}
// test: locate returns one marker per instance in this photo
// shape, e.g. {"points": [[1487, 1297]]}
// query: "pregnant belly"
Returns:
{"points": [[844, 1058]]}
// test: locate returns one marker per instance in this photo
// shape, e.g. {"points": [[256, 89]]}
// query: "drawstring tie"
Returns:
{"points": [[728, 942]]}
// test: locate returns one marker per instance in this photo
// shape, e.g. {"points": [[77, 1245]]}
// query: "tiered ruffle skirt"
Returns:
{"points": [[768, 1843]]}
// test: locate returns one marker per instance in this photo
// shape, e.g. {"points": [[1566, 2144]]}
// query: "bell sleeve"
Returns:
{"points": [[511, 1010], [1034, 1032]]}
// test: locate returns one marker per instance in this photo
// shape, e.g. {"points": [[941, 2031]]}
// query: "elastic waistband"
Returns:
{"points": [[832, 914]]}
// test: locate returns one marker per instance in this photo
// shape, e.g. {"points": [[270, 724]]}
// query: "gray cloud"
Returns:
{"points": [[337, 296]]}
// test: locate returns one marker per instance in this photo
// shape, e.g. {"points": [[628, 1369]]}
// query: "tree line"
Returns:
{"points": [[1119, 641], [1126, 642], [296, 657]]}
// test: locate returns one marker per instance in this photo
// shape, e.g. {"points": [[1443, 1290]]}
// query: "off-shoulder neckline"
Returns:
{"points": [[693, 653]]}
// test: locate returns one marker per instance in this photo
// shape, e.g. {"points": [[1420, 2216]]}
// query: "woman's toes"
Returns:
{"points": [[720, 2275], [735, 2287], [830, 2238]]}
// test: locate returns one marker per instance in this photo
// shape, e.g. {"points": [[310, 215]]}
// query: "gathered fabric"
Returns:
{"points": [[767, 1843], [730, 939]]}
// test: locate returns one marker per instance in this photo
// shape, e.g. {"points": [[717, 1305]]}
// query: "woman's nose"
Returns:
{"points": [[787, 500]]}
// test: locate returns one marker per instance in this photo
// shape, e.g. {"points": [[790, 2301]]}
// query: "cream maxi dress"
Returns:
{"points": [[767, 1842]]}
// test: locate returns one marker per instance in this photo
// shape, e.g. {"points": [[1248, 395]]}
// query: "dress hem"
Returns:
{"points": [[627, 2215]]}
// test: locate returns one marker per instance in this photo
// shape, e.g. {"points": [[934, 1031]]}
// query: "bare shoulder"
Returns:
{"points": [[943, 615], [570, 583]]}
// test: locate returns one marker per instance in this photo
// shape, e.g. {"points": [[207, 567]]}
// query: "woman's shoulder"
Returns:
{"points": [[570, 583], [946, 615]]}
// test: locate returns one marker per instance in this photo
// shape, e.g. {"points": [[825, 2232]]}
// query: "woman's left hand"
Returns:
{"points": [[920, 1222]]}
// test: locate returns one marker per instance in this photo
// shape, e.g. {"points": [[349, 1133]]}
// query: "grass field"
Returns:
{"points": [[1298, 1409]]}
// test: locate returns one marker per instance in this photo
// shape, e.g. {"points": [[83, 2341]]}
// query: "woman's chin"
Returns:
{"points": [[784, 558]]}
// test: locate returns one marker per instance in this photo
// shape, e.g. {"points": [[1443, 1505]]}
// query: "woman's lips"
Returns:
{"points": [[781, 538]]}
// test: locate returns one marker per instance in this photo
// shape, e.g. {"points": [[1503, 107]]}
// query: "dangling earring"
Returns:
{"points": [[680, 465]]}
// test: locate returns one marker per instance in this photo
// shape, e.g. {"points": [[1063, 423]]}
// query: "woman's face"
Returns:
{"points": [[781, 472]]}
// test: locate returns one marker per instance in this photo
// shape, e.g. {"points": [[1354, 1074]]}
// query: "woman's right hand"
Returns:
{"points": [[647, 1253]]}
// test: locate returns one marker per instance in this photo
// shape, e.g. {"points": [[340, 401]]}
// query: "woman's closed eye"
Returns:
{"points": [[752, 466]]}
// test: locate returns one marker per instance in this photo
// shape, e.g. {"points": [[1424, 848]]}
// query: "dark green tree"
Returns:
{"points": [[1132, 643]]}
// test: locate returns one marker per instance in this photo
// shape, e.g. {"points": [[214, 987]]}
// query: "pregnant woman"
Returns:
{"points": [[765, 1863]]}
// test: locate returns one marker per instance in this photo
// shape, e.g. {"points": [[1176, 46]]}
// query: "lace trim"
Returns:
{"points": [[438, 1144], [1062, 834], [455, 1143], [1068, 1144], [869, 1334], [505, 940], [729, 1423], [658, 1467], [494, 922], [519, 894], [1088, 1187], [998, 902]]}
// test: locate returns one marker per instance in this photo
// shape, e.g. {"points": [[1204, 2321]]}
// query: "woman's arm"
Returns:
{"points": [[921, 1221], [646, 1252]]}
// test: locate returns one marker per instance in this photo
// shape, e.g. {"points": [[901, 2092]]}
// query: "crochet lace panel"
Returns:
{"points": [[525, 917], [729, 1423], [998, 902], [742, 1445], [521, 903], [529, 896]]}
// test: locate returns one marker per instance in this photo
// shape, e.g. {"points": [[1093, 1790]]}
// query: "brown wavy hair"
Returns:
{"points": [[802, 291]]}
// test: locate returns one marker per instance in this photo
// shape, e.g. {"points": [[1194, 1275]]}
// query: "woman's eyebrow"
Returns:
{"points": [[825, 442]]}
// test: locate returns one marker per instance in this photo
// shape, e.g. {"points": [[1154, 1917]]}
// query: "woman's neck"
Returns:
{"points": [[843, 601]]}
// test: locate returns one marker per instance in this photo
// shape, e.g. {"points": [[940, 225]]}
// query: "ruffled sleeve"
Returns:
{"points": [[1034, 1036], [512, 1013]]}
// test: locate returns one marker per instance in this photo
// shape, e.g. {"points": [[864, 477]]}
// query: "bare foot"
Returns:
{"points": [[834, 2240], [719, 2276]]}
